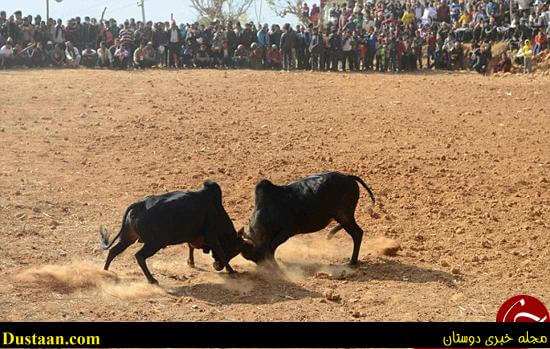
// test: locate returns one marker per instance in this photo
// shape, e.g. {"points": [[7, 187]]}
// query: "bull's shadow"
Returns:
{"points": [[248, 287], [384, 269]]}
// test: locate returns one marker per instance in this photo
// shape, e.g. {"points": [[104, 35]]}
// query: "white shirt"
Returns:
{"points": [[6, 52], [104, 55], [91, 52], [523, 4], [174, 35], [418, 12], [70, 55], [429, 13]]}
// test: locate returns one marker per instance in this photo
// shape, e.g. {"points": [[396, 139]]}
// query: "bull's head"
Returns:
{"points": [[250, 250], [231, 250]]}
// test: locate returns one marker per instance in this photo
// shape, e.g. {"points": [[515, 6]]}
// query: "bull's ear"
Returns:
{"points": [[240, 232]]}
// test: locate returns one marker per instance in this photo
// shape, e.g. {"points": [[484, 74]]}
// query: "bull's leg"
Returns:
{"points": [[278, 240], [116, 250], [333, 231], [217, 250], [147, 251], [191, 259], [357, 235]]}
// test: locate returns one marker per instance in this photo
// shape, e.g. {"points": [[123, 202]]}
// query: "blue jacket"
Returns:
{"points": [[371, 41], [307, 38], [263, 38]]}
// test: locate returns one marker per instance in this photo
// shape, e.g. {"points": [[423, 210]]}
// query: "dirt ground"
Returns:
{"points": [[459, 164]]}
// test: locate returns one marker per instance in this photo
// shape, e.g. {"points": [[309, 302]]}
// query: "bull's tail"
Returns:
{"points": [[104, 235], [366, 187]]}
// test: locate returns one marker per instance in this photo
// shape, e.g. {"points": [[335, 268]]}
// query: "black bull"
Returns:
{"points": [[195, 217], [305, 206]]}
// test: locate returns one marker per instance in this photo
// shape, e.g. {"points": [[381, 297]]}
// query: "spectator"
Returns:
{"points": [[504, 64], [72, 55], [89, 57], [256, 56], [305, 10], [240, 58], [286, 45], [315, 49], [540, 43], [227, 59], [263, 36], [202, 58], [527, 52], [274, 58], [7, 54], [398, 29], [173, 46], [120, 55], [105, 58], [315, 13], [58, 33], [39, 58], [57, 56], [126, 37]]}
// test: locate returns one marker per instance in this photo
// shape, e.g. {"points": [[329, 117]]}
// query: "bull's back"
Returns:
{"points": [[325, 193], [171, 218]]}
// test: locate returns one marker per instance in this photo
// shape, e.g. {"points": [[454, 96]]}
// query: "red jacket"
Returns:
{"points": [[274, 56]]}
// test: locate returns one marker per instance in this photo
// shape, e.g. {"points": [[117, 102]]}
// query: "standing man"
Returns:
{"points": [[286, 45], [173, 45], [126, 37], [315, 48]]}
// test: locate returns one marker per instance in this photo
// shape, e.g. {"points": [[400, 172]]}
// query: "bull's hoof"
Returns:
{"points": [[191, 264], [153, 282], [217, 266], [353, 264]]}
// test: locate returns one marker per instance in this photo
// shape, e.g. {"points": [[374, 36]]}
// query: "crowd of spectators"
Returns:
{"points": [[381, 35]]}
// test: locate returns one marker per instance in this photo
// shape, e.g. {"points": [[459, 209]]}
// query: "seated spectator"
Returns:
{"points": [[456, 57], [57, 56], [256, 56], [504, 64], [240, 57], [150, 54], [72, 55], [274, 59], [305, 10], [315, 13], [22, 55], [104, 56], [39, 58], [202, 58], [480, 60], [89, 57], [7, 54], [120, 56], [187, 57], [48, 50]]}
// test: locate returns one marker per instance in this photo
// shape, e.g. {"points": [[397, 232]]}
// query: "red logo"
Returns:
{"points": [[523, 308]]}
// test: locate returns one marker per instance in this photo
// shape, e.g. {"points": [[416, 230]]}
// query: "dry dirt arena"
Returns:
{"points": [[459, 163]]}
